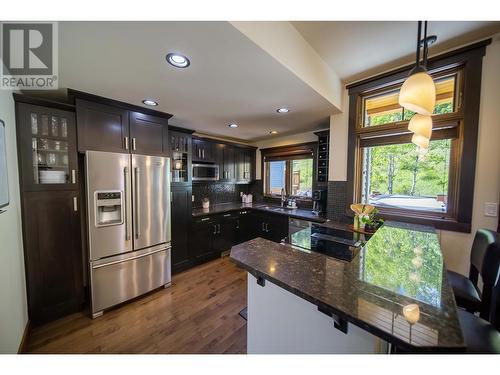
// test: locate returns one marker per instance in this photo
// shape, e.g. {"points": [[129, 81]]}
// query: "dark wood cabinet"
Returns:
{"points": [[46, 140], [203, 234], [181, 157], [102, 127], [112, 126], [53, 255], [181, 221], [204, 150], [148, 134], [245, 228], [51, 207], [228, 163], [244, 161], [270, 226]]}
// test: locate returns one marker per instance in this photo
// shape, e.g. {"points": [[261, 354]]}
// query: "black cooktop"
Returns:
{"points": [[337, 243]]}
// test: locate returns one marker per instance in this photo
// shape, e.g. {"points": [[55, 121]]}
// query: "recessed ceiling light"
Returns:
{"points": [[283, 110], [178, 60], [233, 125], [273, 132], [150, 102]]}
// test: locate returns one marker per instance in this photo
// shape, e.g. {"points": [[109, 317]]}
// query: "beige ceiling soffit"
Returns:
{"points": [[227, 139], [285, 44]]}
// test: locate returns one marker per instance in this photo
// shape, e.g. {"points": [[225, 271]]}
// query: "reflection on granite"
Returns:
{"points": [[410, 265], [368, 291], [228, 207]]}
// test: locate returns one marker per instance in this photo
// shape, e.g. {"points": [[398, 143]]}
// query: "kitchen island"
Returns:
{"points": [[302, 301]]}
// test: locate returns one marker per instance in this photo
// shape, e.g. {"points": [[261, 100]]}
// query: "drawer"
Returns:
{"points": [[118, 281]]}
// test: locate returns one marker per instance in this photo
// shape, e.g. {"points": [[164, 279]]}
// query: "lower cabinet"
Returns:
{"points": [[181, 220], [272, 227], [53, 254], [212, 235]]}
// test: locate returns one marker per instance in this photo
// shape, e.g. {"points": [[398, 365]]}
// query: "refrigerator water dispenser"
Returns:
{"points": [[108, 208]]}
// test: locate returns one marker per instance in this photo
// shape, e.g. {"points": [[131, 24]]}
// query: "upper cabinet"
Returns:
{"points": [[228, 163], [102, 127], [47, 147], [204, 151], [148, 134], [180, 152], [109, 125], [244, 161]]}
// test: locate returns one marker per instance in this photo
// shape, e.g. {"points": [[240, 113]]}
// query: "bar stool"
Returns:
{"points": [[480, 335], [466, 291]]}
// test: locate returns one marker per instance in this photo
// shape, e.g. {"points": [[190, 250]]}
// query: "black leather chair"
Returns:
{"points": [[466, 291], [480, 335]]}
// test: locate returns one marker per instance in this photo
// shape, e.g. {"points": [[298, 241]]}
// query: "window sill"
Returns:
{"points": [[448, 224]]}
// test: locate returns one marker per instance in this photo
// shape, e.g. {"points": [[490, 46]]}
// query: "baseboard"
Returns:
{"points": [[22, 345]]}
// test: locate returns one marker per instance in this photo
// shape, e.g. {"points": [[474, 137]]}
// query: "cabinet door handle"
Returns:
{"points": [[199, 153], [73, 176], [263, 227], [215, 229], [205, 219], [267, 228], [218, 231], [75, 204], [125, 143], [227, 215], [203, 153], [133, 144], [237, 224]]}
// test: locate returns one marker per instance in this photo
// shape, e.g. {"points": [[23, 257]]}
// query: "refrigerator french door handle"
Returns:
{"points": [[128, 259], [125, 191], [137, 204]]}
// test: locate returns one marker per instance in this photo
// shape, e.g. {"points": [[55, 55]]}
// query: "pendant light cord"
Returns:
{"points": [[418, 44], [425, 45]]}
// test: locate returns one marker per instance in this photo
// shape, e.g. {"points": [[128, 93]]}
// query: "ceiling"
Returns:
{"points": [[230, 79], [358, 49]]}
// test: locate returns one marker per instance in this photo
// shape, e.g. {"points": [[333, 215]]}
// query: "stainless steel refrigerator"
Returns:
{"points": [[128, 212]]}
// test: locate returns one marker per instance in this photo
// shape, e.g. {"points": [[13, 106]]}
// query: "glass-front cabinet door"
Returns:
{"points": [[47, 142], [180, 150]]}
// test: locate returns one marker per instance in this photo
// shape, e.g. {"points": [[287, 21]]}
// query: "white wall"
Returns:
{"points": [[456, 246], [13, 306], [281, 141]]}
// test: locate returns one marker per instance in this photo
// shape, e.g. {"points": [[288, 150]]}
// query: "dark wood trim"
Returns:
{"points": [[21, 98], [224, 142], [433, 62], [469, 60], [73, 94], [182, 130], [287, 148], [290, 150], [23, 345]]}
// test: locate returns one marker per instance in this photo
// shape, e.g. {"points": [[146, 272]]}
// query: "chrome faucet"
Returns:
{"points": [[283, 197]]}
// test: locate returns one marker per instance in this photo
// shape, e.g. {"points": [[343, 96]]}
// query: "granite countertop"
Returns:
{"points": [[401, 264], [272, 209]]}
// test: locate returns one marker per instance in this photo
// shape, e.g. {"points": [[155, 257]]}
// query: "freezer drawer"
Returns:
{"points": [[120, 280]]}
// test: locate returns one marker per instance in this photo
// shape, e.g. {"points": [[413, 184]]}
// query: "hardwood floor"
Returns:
{"points": [[197, 314]]}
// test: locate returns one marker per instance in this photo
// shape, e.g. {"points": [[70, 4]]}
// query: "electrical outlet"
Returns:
{"points": [[491, 209]]}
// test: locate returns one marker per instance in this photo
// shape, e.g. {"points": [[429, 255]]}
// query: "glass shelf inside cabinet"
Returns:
{"points": [[179, 167], [49, 145]]}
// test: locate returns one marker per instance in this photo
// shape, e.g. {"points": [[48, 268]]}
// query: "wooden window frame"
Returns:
{"points": [[287, 152], [464, 122]]}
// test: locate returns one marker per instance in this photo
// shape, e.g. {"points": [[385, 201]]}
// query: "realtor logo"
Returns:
{"points": [[29, 56]]}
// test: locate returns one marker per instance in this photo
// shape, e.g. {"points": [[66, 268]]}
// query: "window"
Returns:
{"points": [[393, 174], [290, 168], [398, 176], [385, 169]]}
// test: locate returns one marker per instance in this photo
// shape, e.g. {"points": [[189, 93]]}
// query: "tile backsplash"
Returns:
{"points": [[218, 193]]}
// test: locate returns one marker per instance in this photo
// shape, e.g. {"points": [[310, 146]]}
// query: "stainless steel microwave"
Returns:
{"points": [[205, 172]]}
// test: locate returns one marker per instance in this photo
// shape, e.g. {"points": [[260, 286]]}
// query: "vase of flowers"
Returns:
{"points": [[365, 217]]}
